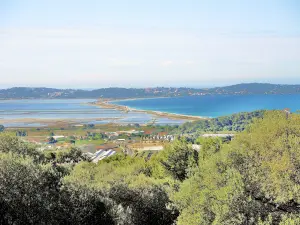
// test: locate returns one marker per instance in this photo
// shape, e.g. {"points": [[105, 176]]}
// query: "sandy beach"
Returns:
{"points": [[109, 104]]}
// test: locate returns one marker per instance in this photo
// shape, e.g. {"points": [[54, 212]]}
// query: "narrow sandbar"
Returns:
{"points": [[109, 104]]}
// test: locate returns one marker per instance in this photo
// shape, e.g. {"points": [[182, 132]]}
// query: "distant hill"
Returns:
{"points": [[258, 88], [238, 89]]}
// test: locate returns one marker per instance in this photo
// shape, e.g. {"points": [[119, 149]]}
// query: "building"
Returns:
{"points": [[102, 154]]}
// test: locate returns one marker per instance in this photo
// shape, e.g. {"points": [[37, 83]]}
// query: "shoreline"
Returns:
{"points": [[109, 105], [102, 103], [133, 99]]}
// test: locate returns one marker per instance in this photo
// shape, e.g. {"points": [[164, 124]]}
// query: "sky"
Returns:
{"points": [[143, 43]]}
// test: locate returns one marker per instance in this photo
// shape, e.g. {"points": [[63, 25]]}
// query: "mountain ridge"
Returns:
{"points": [[120, 92]]}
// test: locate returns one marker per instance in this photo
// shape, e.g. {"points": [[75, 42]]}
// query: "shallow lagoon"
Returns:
{"points": [[78, 109], [71, 109]]}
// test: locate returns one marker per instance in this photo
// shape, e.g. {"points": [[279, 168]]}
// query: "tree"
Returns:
{"points": [[179, 159], [14, 145], [72, 155], [33, 194], [51, 140], [138, 198], [268, 157], [209, 146], [2, 128], [24, 184], [21, 133], [89, 126], [141, 205], [84, 205]]}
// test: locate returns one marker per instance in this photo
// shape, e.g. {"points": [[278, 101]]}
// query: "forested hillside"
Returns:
{"points": [[254, 179], [234, 122], [120, 93]]}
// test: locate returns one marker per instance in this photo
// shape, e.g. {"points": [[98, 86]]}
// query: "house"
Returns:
{"points": [[57, 137], [102, 154], [120, 140]]}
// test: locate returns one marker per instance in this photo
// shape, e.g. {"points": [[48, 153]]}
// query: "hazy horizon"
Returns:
{"points": [[195, 87], [95, 44]]}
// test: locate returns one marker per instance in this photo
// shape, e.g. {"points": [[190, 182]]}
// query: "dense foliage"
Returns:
{"points": [[234, 122], [254, 179], [251, 88]]}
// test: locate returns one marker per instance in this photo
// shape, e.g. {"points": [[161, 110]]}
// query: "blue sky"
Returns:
{"points": [[134, 43]]}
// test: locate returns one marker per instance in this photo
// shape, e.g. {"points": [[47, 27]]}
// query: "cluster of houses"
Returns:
{"points": [[158, 137], [115, 135]]}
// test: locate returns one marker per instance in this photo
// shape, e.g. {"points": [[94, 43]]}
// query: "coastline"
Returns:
{"points": [[133, 99], [109, 104]]}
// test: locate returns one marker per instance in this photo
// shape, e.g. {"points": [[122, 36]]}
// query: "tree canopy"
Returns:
{"points": [[234, 122], [253, 179], [2, 128]]}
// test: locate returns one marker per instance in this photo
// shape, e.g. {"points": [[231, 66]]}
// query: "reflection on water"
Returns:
{"points": [[70, 109]]}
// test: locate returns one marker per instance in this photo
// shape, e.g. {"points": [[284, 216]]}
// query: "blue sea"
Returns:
{"points": [[215, 105]]}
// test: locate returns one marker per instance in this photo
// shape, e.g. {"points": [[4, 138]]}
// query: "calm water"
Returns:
{"points": [[214, 106], [68, 109], [208, 106]]}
